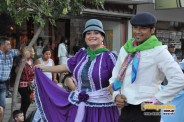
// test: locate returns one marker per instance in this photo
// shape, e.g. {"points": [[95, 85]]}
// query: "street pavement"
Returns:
{"points": [[8, 109]]}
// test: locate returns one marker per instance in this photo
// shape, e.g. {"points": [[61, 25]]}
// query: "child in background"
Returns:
{"points": [[47, 61], [69, 82], [18, 116]]}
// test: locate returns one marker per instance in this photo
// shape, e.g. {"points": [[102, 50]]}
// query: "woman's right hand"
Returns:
{"points": [[55, 69], [120, 101], [40, 66]]}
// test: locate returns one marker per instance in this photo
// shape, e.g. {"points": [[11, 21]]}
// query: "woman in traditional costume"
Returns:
{"points": [[92, 68]]}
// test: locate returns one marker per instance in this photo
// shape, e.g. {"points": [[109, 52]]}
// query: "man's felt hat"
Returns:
{"points": [[94, 24], [143, 19]]}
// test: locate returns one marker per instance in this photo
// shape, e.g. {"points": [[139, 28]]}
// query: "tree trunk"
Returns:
{"points": [[15, 89]]}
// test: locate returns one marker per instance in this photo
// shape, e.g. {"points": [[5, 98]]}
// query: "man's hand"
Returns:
{"points": [[120, 101]]}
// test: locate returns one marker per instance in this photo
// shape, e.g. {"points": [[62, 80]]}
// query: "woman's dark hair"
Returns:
{"points": [[96, 30], [62, 40], [40, 38], [3, 40], [45, 49], [16, 112]]}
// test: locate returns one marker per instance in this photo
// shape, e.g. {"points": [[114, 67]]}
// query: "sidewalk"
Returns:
{"points": [[8, 109]]}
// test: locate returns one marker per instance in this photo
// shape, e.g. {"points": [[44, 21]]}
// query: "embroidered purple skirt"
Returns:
{"points": [[52, 101]]}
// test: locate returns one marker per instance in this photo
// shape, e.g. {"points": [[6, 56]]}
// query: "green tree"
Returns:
{"points": [[41, 11]]}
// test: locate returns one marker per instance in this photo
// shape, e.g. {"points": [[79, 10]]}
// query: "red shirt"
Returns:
{"points": [[27, 73]]}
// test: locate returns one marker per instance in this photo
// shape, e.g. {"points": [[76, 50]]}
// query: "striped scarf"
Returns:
{"points": [[134, 54]]}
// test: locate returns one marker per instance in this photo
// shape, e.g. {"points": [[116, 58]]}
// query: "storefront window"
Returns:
{"points": [[172, 33]]}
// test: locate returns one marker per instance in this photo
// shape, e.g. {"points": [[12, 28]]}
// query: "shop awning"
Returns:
{"points": [[110, 10], [106, 13], [130, 1]]}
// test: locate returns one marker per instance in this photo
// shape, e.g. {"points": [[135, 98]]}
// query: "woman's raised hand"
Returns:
{"points": [[41, 67]]}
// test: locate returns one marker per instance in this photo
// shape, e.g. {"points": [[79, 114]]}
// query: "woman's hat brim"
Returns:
{"points": [[94, 28]]}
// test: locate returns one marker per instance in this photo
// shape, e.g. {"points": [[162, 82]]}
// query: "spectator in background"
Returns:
{"points": [[182, 65], [12, 76], [51, 45], [26, 78], [6, 62], [47, 61], [62, 54], [171, 48], [62, 51], [69, 82], [18, 116], [39, 47], [56, 58]]}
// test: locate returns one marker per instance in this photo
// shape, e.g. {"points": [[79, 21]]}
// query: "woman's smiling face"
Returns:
{"points": [[94, 39]]}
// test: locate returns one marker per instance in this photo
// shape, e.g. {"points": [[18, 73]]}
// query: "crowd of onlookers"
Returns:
{"points": [[43, 52]]}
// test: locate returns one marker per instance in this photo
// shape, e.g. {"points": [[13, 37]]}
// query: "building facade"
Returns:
{"points": [[170, 26]]}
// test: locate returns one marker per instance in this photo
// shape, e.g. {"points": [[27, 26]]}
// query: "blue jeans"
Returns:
{"points": [[2, 94]]}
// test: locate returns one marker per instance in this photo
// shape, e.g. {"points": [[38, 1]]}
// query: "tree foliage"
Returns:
{"points": [[40, 10]]}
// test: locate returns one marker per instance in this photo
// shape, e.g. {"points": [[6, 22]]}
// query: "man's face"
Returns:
{"points": [[20, 117], [142, 33], [171, 49], [7, 46]]}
